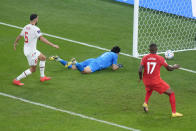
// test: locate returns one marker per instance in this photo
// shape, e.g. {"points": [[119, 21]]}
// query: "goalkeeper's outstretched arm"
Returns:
{"points": [[116, 66]]}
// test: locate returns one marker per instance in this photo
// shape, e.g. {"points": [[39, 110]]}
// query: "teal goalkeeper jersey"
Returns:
{"points": [[107, 59]]}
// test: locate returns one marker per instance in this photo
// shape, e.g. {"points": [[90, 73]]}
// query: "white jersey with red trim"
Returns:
{"points": [[30, 33]]}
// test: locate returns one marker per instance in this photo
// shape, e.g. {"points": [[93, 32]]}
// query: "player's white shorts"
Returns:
{"points": [[33, 58]]}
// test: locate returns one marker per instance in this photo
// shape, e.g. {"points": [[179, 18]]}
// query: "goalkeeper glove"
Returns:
{"points": [[119, 65]]}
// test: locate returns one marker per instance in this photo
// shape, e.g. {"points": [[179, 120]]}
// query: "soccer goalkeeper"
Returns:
{"points": [[88, 66]]}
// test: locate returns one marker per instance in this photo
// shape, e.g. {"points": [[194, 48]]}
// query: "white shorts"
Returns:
{"points": [[33, 58]]}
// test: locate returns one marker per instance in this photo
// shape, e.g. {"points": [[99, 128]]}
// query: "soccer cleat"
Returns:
{"points": [[145, 106], [52, 58], [72, 62], [177, 114], [45, 78], [18, 83]]}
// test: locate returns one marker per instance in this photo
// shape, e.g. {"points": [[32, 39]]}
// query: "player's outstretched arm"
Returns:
{"points": [[116, 66], [16, 41], [172, 67], [43, 39], [140, 72]]}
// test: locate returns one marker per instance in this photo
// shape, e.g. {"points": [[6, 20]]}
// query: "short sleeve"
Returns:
{"points": [[22, 32], [163, 62], [115, 59], [38, 32]]}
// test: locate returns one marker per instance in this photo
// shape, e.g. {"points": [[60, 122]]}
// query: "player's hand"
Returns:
{"points": [[138, 84], [176, 66], [56, 46]]}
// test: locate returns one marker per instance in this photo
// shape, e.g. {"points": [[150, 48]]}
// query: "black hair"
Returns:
{"points": [[115, 49], [33, 16], [153, 45], [153, 48]]}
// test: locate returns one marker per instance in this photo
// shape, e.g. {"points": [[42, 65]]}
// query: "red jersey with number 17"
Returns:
{"points": [[152, 64]]}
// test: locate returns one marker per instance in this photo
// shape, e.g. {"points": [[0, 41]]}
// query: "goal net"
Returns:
{"points": [[171, 24]]}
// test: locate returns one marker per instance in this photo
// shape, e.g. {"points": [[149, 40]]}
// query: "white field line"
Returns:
{"points": [[85, 44], [68, 112], [66, 39], [173, 51], [188, 70]]}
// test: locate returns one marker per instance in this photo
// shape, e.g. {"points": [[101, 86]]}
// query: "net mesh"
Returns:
{"points": [[168, 31]]}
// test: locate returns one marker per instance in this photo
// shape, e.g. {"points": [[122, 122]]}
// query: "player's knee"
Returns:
{"points": [[42, 57], [74, 67], [87, 70], [33, 69], [169, 92]]}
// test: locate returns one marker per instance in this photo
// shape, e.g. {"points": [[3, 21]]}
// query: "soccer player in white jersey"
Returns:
{"points": [[31, 33]]}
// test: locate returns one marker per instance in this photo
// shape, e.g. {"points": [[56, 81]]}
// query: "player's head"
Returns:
{"points": [[34, 18], [115, 49], [153, 48]]}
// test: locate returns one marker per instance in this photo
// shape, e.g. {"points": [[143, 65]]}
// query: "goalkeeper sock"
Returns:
{"points": [[148, 94], [24, 74], [79, 67], [69, 67], [42, 68], [63, 62], [172, 102]]}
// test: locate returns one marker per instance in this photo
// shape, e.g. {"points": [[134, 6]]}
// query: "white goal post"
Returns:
{"points": [[171, 24]]}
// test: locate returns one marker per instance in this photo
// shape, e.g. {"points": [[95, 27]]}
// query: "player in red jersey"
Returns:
{"points": [[151, 64]]}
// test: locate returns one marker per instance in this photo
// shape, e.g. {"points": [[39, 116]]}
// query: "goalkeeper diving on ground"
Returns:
{"points": [[91, 65]]}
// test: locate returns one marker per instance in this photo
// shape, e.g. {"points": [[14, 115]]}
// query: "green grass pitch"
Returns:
{"points": [[106, 95]]}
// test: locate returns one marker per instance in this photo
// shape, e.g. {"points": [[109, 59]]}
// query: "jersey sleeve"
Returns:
{"points": [[38, 32], [163, 62], [115, 59], [22, 32]]}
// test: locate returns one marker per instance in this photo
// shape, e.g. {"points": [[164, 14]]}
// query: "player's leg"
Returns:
{"points": [[81, 66], [63, 62], [73, 67], [92, 67], [147, 97], [172, 101], [87, 70], [163, 87], [42, 63], [32, 62], [21, 76]]}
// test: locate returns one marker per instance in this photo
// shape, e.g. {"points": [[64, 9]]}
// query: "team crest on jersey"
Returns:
{"points": [[38, 31]]}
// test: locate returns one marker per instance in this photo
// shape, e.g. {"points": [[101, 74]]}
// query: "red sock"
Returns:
{"points": [[172, 102], [148, 94]]}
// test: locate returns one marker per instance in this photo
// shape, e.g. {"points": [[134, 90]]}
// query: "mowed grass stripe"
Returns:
{"points": [[68, 112]]}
